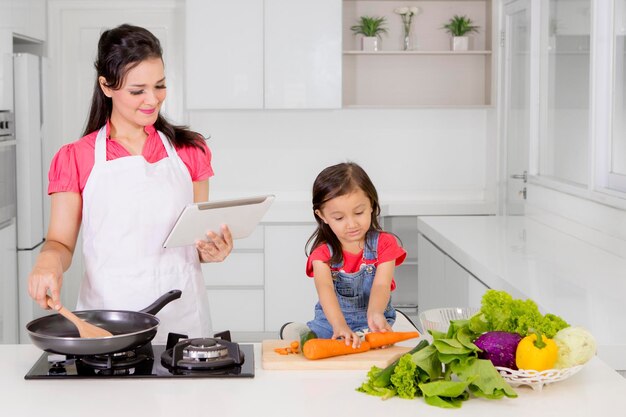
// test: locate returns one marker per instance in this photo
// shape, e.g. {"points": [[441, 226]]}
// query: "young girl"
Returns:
{"points": [[352, 260]]}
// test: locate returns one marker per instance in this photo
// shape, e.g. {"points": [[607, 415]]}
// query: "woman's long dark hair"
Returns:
{"points": [[119, 50], [335, 181]]}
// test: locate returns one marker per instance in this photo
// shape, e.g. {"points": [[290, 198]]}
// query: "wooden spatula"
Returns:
{"points": [[85, 329]]}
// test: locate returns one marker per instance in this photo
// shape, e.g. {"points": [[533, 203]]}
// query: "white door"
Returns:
{"points": [[74, 30], [515, 106]]}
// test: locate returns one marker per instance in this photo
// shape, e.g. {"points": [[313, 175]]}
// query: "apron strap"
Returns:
{"points": [[100, 154]]}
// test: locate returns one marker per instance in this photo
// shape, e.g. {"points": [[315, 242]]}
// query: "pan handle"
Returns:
{"points": [[162, 301]]}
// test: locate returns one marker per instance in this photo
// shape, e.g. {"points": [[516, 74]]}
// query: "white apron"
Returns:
{"points": [[129, 207]]}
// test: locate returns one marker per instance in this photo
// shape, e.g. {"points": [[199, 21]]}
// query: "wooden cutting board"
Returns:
{"points": [[365, 360]]}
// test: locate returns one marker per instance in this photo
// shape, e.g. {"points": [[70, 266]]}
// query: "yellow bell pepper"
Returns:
{"points": [[536, 352]]}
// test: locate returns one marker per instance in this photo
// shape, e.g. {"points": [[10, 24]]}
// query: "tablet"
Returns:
{"points": [[240, 215]]}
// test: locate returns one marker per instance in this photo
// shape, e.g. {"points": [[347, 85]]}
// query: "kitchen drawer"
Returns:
{"points": [[239, 269], [237, 310], [254, 241]]}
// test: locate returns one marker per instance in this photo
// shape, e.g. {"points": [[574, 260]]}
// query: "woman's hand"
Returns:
{"points": [[377, 322], [46, 277], [216, 248], [350, 337]]}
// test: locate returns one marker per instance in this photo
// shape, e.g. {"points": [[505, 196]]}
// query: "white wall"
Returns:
{"points": [[410, 154]]}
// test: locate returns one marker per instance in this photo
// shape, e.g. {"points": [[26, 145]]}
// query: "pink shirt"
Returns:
{"points": [[388, 249], [72, 164]]}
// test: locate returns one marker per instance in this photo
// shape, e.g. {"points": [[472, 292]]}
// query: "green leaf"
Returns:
{"points": [[451, 347], [485, 380], [445, 394], [428, 361]]}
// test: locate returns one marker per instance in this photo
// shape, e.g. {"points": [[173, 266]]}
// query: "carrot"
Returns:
{"points": [[281, 351], [294, 345], [379, 339], [326, 348]]}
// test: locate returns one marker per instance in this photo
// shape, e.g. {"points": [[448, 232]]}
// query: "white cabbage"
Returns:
{"points": [[576, 346]]}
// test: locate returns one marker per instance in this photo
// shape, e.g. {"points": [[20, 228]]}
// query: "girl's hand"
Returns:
{"points": [[348, 335], [216, 248], [377, 322], [46, 277]]}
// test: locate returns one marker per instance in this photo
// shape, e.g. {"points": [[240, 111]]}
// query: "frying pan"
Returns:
{"points": [[131, 329]]}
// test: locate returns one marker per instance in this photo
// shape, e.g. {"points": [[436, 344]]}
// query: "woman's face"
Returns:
{"points": [[139, 99]]}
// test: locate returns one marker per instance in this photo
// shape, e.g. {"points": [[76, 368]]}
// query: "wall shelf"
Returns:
{"points": [[382, 53], [430, 75]]}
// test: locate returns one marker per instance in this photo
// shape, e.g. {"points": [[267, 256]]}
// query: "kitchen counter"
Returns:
{"points": [[566, 275], [594, 391], [287, 209]]}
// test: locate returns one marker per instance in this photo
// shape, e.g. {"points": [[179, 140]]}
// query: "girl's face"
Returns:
{"points": [[138, 101], [349, 216]]}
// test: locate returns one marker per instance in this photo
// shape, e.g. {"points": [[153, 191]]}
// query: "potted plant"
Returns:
{"points": [[459, 27], [371, 28]]}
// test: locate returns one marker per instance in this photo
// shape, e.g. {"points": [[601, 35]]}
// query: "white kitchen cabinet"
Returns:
{"points": [[289, 294], [275, 54], [302, 54], [443, 282], [236, 286], [224, 54], [237, 310], [404, 298]]}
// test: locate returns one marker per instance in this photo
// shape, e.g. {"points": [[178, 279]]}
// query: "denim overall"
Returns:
{"points": [[353, 292]]}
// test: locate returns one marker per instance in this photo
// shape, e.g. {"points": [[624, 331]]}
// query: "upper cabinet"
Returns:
{"points": [[297, 54], [25, 18], [428, 72], [254, 54]]}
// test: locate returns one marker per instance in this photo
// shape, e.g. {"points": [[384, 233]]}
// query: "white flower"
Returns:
{"points": [[414, 10], [401, 10]]}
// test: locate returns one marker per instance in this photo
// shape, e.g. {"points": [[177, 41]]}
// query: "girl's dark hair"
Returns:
{"points": [[335, 181], [119, 50]]}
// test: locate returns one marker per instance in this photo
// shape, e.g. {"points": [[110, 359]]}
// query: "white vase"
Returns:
{"points": [[460, 43], [369, 43]]}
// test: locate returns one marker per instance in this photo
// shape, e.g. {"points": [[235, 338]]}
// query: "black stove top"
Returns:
{"points": [[203, 358]]}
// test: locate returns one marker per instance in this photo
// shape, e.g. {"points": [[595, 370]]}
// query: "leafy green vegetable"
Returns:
{"points": [[501, 312], [446, 394], [428, 371], [485, 381], [428, 363], [403, 377], [368, 386]]}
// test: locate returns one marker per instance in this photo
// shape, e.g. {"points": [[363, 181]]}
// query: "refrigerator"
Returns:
{"points": [[8, 234], [28, 105]]}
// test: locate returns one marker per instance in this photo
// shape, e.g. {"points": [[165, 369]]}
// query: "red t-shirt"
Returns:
{"points": [[72, 164], [388, 249]]}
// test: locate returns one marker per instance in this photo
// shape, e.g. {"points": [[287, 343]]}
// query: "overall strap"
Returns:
{"points": [[371, 245], [334, 266]]}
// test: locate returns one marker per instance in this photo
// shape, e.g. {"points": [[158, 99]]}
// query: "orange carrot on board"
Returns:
{"points": [[379, 339], [326, 348]]}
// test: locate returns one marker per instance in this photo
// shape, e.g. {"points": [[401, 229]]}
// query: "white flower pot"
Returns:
{"points": [[370, 43], [460, 43]]}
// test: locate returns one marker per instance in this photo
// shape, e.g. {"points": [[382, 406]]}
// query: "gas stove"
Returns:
{"points": [[216, 357]]}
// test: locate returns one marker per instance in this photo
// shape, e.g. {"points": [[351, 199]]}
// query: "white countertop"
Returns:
{"points": [[594, 391], [567, 276], [288, 210]]}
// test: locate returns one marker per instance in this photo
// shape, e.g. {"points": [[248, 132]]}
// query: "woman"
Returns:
{"points": [[126, 181]]}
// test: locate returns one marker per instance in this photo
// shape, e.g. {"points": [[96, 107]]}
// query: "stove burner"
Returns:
{"points": [[120, 363], [202, 355], [204, 349]]}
